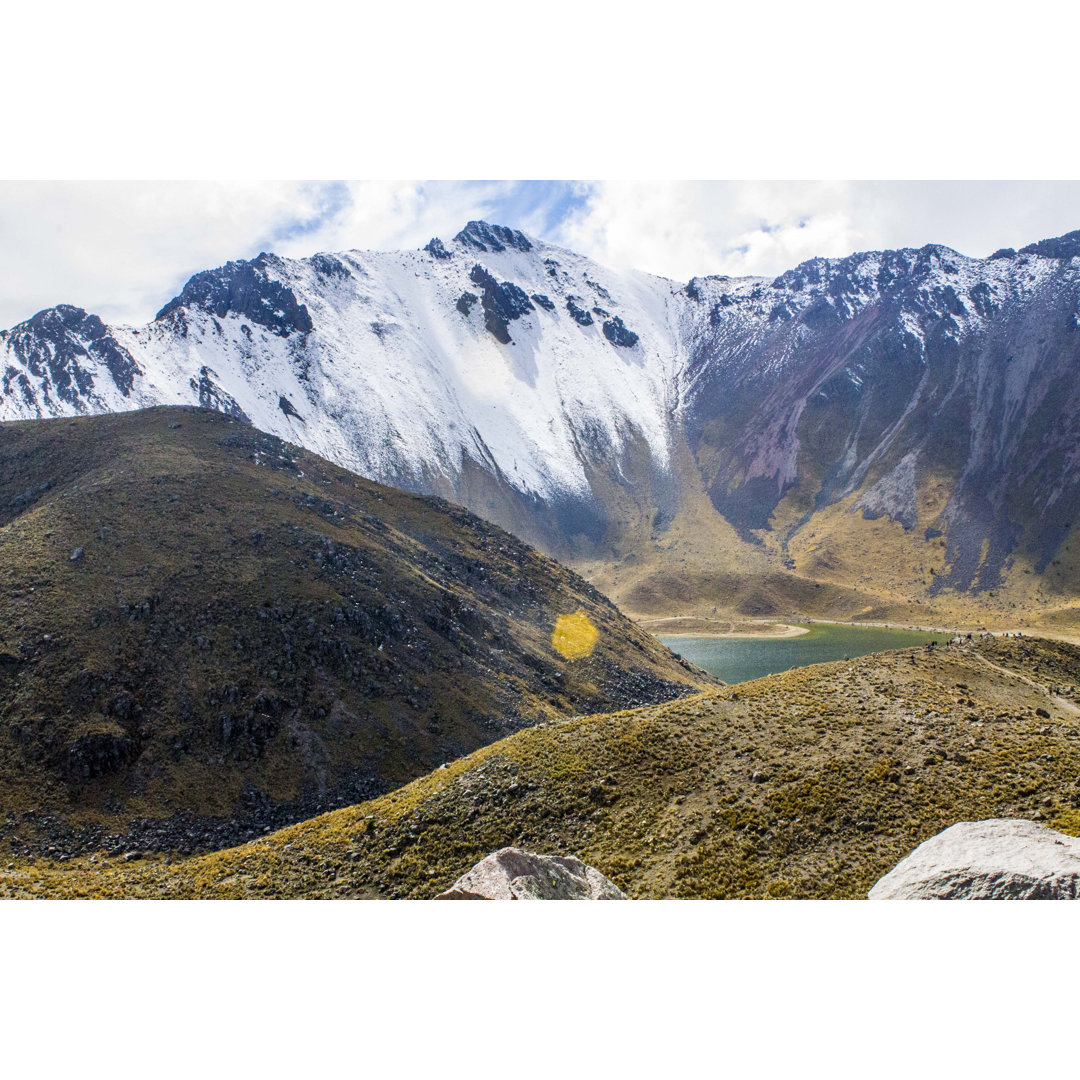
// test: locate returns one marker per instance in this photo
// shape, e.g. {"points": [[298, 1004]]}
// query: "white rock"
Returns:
{"points": [[999, 859], [513, 874]]}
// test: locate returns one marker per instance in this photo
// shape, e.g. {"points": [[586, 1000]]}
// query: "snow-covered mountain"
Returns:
{"points": [[495, 366], [582, 407]]}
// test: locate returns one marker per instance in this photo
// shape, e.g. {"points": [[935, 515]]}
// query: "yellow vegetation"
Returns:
{"points": [[574, 636]]}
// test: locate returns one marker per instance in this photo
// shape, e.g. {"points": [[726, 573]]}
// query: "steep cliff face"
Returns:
{"points": [[881, 373], [917, 404]]}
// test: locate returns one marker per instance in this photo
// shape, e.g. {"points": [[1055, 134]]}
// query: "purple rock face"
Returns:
{"points": [[889, 363]]}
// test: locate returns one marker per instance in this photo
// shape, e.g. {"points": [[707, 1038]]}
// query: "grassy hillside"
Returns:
{"points": [[812, 783], [205, 631]]}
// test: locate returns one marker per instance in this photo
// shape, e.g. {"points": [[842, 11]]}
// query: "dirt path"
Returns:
{"points": [[1062, 703]]}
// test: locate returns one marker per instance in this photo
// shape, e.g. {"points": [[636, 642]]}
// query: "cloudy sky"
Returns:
{"points": [[122, 249]]}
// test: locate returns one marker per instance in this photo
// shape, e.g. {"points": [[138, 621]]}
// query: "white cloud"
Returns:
{"points": [[392, 215], [680, 229], [121, 248]]}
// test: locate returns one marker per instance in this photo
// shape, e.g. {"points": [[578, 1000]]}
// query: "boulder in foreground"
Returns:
{"points": [[513, 874], [999, 859]]}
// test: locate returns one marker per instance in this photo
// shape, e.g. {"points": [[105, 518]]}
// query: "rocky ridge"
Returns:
{"points": [[206, 632]]}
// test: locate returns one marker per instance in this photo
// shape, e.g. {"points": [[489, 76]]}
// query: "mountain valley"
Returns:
{"points": [[281, 616]]}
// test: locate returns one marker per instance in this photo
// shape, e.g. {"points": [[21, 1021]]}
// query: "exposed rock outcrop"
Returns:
{"points": [[577, 312], [247, 288], [437, 249], [999, 859], [617, 333], [64, 348], [501, 303], [484, 237], [513, 874]]}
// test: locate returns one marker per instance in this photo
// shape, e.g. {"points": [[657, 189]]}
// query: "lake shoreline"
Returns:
{"points": [[789, 631], [740, 657], [784, 630]]}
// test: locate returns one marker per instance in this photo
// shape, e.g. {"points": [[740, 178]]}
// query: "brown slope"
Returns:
{"points": [[205, 631]]}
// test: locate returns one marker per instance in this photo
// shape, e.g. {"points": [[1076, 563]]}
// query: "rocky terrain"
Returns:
{"points": [[206, 632], [738, 444], [813, 783]]}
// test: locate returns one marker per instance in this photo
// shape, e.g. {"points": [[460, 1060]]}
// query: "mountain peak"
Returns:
{"points": [[245, 288], [54, 319], [486, 237]]}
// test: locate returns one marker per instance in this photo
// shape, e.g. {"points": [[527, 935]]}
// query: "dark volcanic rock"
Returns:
{"points": [[329, 266], [618, 334], [98, 753], [484, 237], [244, 288], [502, 303], [57, 344], [1058, 247], [286, 406], [579, 314], [437, 249], [211, 396]]}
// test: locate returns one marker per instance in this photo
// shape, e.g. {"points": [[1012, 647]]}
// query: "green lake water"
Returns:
{"points": [[738, 659]]}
